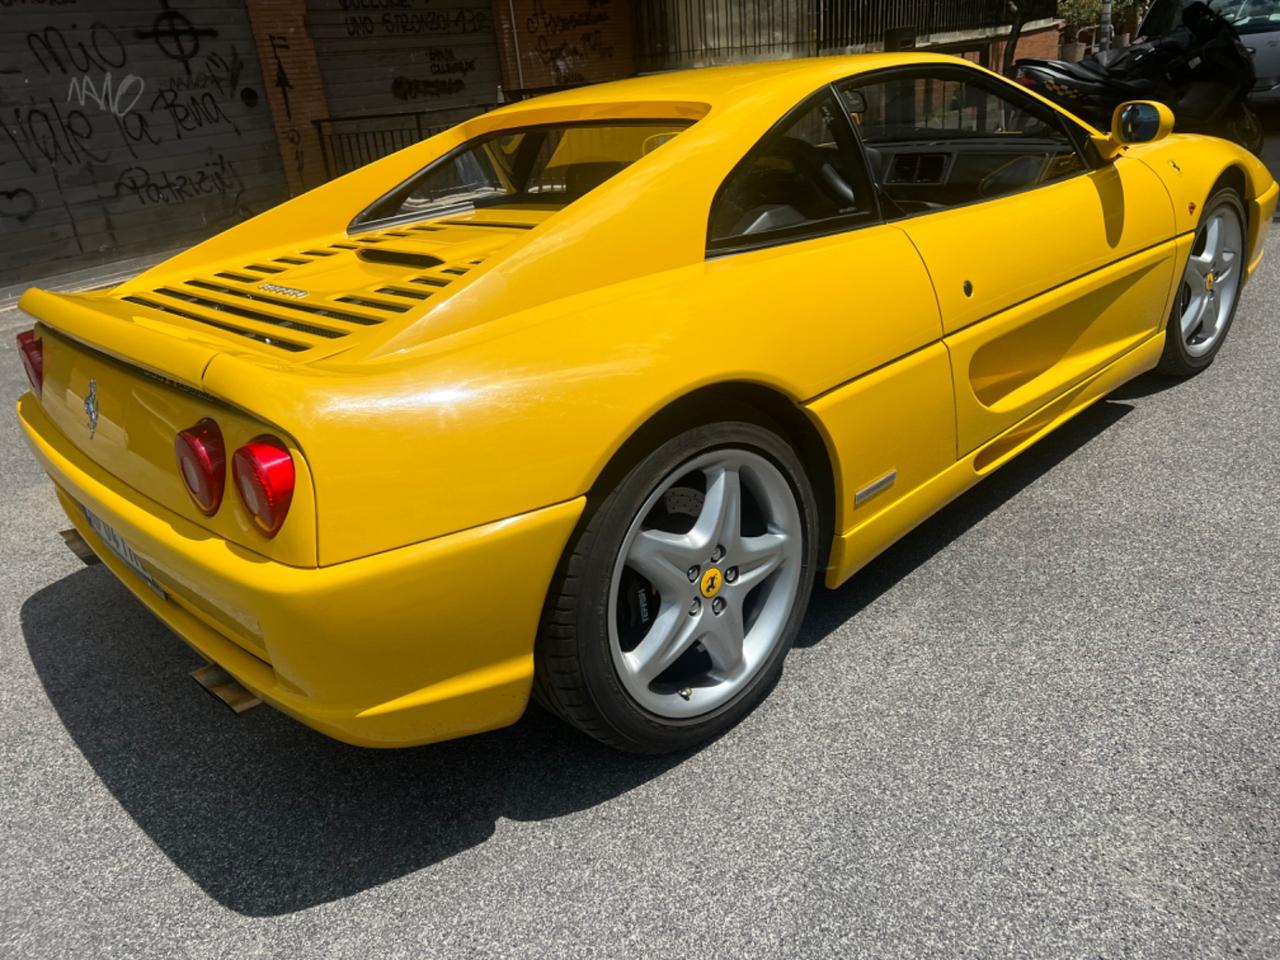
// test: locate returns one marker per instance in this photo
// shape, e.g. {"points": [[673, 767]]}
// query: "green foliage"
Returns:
{"points": [[1080, 13]]}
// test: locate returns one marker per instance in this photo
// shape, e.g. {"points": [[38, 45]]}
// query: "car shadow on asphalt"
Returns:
{"points": [[1147, 385], [269, 817]]}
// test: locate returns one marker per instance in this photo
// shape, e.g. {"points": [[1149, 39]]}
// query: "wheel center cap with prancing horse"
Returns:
{"points": [[712, 580]]}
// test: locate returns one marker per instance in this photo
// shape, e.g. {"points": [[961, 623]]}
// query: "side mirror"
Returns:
{"points": [[1135, 121], [1141, 121]]}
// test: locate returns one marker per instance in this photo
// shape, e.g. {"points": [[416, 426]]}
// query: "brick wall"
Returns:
{"points": [[293, 87], [1033, 43]]}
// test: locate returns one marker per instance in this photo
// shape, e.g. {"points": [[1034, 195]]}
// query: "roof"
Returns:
{"points": [[722, 86]]}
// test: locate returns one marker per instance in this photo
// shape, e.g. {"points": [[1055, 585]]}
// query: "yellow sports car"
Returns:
{"points": [[577, 398]]}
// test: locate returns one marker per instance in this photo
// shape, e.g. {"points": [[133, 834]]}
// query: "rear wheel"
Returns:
{"points": [[1206, 300], [682, 593]]}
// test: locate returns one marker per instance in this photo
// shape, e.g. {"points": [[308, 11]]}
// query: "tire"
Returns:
{"points": [[1243, 126], [605, 659], [1209, 291]]}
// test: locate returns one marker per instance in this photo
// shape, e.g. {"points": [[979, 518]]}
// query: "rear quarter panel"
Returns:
{"points": [[526, 410]]}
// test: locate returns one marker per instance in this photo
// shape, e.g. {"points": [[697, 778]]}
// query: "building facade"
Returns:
{"points": [[133, 126]]}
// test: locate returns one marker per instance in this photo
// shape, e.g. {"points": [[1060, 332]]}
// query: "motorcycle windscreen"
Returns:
{"points": [[1161, 18]]}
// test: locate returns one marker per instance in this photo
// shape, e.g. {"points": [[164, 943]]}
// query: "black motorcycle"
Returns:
{"points": [[1189, 59]]}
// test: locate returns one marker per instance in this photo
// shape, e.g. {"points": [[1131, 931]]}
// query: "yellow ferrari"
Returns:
{"points": [[576, 399]]}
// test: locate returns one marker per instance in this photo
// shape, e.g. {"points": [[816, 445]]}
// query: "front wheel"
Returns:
{"points": [[1205, 303], [682, 592], [1243, 126]]}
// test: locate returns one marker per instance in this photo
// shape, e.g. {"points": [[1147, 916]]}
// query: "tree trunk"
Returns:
{"points": [[1015, 31]]}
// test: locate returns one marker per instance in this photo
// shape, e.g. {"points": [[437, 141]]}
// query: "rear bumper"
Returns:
{"points": [[408, 646]]}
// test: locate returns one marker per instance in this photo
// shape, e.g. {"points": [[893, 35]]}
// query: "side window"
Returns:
{"points": [[939, 137], [805, 178]]}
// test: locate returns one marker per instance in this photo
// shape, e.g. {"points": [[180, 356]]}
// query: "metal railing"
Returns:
{"points": [[350, 142], [671, 34]]}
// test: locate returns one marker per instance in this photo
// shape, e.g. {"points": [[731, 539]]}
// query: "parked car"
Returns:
{"points": [[1258, 24], [580, 397]]}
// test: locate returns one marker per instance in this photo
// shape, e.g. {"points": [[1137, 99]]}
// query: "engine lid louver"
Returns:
{"points": [[314, 298]]}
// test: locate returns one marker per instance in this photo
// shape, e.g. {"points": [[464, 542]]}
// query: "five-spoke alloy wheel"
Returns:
{"points": [[682, 591], [1206, 300], [712, 560]]}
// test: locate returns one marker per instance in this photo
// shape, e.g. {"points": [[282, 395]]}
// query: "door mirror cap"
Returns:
{"points": [[1141, 121], [1135, 121]]}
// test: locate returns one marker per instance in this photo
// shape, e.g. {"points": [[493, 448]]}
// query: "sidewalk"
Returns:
{"points": [[101, 275]]}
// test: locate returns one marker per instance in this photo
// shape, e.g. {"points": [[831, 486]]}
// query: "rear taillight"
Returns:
{"points": [[263, 471], [32, 351], [202, 461]]}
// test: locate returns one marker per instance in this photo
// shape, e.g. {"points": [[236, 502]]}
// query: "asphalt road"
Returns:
{"points": [[1047, 723]]}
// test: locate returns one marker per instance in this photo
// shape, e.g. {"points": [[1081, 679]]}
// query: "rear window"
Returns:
{"points": [[550, 165]]}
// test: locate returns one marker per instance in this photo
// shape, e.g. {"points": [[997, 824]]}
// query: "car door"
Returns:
{"points": [[800, 260], [1046, 267]]}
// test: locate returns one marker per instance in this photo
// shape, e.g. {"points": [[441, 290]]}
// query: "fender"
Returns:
{"points": [[1191, 165]]}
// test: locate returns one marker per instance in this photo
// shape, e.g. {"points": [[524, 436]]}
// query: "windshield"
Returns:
{"points": [[548, 165], [1249, 16]]}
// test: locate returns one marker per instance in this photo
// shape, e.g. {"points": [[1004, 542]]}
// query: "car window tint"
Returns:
{"points": [[803, 178], [941, 137], [545, 164]]}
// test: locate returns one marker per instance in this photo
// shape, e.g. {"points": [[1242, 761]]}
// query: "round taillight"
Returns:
{"points": [[263, 471], [32, 352], [202, 463]]}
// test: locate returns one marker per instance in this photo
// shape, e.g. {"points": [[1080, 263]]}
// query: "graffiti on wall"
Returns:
{"points": [[387, 56], [447, 76], [149, 186], [400, 18], [559, 42], [105, 113], [280, 44], [176, 36], [298, 144]]}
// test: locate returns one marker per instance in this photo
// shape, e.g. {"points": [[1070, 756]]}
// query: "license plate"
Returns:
{"points": [[116, 544]]}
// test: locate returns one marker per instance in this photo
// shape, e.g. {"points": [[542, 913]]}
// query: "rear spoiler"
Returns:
{"points": [[108, 327]]}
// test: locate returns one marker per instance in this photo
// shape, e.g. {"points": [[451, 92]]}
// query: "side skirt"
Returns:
{"points": [[854, 549]]}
